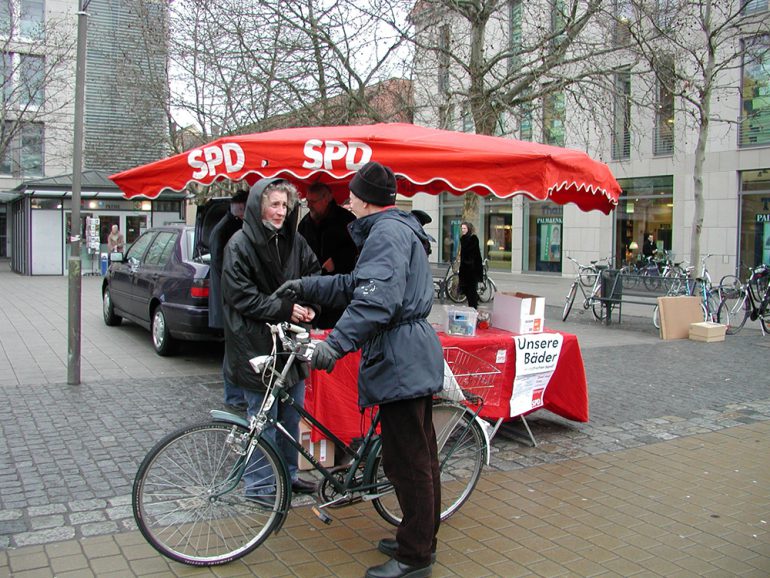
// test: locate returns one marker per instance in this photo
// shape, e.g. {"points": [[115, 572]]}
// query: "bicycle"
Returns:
{"points": [[710, 296], [679, 284], [486, 288], [591, 298], [212, 492], [742, 301]]}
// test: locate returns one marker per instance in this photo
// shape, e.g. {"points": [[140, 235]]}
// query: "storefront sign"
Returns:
{"points": [[536, 358]]}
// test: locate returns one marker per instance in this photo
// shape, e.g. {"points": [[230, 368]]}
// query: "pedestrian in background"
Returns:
{"points": [[220, 235], [471, 267], [325, 228], [389, 296], [263, 254], [115, 241]]}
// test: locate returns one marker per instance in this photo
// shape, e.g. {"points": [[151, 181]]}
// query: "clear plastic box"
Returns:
{"points": [[460, 320]]}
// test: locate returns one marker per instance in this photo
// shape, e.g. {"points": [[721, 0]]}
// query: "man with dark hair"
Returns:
{"points": [[325, 228], [389, 296], [218, 239]]}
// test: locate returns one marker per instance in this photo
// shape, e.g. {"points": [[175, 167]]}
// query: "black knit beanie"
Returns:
{"points": [[375, 184]]}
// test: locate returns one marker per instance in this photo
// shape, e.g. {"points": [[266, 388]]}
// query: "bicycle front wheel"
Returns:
{"points": [[196, 503], [453, 289], [569, 302], [461, 454]]}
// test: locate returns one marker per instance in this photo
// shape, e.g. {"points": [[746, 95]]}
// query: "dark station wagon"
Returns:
{"points": [[161, 282]]}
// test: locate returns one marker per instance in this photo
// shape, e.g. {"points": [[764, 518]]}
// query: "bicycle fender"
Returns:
{"points": [[485, 429], [219, 415]]}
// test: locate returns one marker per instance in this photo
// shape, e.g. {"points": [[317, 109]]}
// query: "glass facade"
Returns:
{"points": [[645, 207], [542, 236], [554, 113], [754, 229]]}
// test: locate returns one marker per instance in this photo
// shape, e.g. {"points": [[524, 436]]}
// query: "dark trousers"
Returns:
{"points": [[410, 460], [471, 290]]}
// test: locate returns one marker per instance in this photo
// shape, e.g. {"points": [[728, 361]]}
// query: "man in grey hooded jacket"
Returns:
{"points": [[388, 296]]}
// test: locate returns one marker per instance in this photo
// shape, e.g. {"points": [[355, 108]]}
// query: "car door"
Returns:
{"points": [[134, 260], [151, 273], [122, 275]]}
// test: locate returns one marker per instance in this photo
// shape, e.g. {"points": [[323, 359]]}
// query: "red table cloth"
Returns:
{"points": [[333, 398]]}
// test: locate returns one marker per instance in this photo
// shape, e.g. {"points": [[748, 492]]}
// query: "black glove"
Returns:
{"points": [[291, 290], [324, 357]]}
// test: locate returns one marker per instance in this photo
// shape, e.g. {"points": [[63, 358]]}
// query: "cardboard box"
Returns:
{"points": [[322, 450], [518, 312], [460, 320], [677, 314], [707, 331]]}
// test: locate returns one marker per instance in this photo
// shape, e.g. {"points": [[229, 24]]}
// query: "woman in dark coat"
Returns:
{"points": [[471, 267], [266, 252]]}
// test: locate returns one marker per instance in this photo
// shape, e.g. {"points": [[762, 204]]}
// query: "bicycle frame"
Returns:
{"points": [[263, 420]]}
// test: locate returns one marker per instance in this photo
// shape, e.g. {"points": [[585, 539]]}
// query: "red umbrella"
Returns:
{"points": [[425, 160]]}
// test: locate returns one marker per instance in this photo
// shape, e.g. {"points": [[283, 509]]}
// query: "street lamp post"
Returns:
{"points": [[74, 264]]}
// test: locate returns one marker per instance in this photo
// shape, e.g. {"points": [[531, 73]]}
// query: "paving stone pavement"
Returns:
{"points": [[68, 453]]}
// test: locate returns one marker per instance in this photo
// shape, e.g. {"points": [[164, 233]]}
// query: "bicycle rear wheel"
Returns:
{"points": [[190, 501], [487, 290], [453, 289], [570, 301], [588, 276], [733, 310], [461, 455]]}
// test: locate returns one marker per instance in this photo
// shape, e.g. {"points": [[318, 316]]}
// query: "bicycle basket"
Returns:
{"points": [[473, 376]]}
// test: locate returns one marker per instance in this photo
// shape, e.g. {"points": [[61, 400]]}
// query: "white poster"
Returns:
{"points": [[536, 359]]}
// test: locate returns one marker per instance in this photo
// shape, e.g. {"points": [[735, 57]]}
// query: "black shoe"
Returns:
{"points": [[395, 569], [301, 486], [388, 546]]}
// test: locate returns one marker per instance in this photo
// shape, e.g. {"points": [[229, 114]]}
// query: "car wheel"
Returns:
{"points": [[161, 338], [108, 310]]}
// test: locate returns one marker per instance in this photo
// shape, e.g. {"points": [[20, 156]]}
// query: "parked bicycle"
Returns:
{"points": [[591, 297], [742, 301], [710, 296], [212, 492], [486, 289], [679, 284]]}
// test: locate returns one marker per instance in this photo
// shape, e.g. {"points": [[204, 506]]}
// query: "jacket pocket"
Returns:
{"points": [[374, 351]]}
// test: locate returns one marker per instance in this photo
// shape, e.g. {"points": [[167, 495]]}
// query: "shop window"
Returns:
{"points": [[451, 209], [135, 226], [645, 207], [755, 88], [543, 226], [754, 238], [498, 233]]}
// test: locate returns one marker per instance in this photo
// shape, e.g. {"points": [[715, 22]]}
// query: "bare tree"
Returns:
{"points": [[694, 50], [37, 59], [494, 59]]}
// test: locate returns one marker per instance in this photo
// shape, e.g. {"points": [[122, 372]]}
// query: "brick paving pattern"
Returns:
{"points": [[669, 478]]}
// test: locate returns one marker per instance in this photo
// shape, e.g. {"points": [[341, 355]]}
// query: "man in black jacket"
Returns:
{"points": [[389, 296], [325, 228], [258, 258], [220, 235]]}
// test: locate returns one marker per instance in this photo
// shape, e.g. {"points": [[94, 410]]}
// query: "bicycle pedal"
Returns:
{"points": [[323, 516]]}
